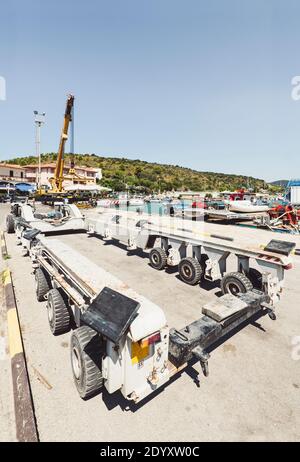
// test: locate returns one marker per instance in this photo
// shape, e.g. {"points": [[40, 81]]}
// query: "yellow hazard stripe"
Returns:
{"points": [[14, 335]]}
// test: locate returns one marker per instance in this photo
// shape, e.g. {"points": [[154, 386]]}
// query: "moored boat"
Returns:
{"points": [[136, 201]]}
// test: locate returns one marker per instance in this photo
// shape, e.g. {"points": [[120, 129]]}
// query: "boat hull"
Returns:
{"points": [[246, 207]]}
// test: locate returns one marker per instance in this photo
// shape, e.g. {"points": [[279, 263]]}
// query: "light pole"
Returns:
{"points": [[39, 120]]}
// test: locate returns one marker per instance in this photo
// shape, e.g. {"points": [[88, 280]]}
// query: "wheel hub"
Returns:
{"points": [[155, 258], [76, 364], [50, 312], [186, 271], [233, 288]]}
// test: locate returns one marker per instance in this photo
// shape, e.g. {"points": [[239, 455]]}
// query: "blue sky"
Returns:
{"points": [[195, 83]]}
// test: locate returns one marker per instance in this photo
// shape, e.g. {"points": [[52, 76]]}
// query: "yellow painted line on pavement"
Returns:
{"points": [[14, 334], [13, 327], [6, 277]]}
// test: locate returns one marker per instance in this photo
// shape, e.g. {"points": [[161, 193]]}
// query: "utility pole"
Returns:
{"points": [[39, 120]]}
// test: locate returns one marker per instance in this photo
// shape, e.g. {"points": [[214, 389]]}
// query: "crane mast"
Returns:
{"points": [[57, 180]]}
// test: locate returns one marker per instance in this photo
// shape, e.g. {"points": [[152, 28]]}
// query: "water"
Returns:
{"points": [[154, 208], [158, 208]]}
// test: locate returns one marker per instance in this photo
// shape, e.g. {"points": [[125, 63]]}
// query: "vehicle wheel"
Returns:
{"points": [[235, 283], [42, 284], [158, 258], [86, 356], [58, 313], [10, 223], [255, 277], [190, 270]]}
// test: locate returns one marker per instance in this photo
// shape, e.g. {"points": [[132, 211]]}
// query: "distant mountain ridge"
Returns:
{"points": [[281, 183], [119, 173]]}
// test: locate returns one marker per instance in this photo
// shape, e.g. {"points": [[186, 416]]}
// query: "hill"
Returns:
{"points": [[281, 183], [119, 172]]}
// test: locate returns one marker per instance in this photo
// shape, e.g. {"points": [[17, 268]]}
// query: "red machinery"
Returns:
{"points": [[286, 213], [199, 205], [238, 195]]}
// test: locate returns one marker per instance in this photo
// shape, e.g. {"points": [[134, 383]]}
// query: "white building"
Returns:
{"points": [[11, 172], [83, 174]]}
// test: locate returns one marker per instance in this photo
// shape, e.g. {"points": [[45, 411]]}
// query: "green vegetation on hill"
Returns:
{"points": [[119, 173]]}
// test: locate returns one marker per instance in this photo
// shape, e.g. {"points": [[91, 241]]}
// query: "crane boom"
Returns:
{"points": [[57, 180]]}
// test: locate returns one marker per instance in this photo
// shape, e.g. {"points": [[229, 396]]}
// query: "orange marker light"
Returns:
{"points": [[150, 340]]}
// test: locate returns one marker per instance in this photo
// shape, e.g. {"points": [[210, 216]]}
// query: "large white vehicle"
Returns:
{"points": [[59, 219], [199, 255], [121, 340]]}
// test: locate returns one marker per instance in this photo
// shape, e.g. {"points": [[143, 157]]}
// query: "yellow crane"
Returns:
{"points": [[57, 181]]}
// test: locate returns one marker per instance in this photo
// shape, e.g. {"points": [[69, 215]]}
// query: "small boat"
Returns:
{"points": [[136, 201], [122, 199], [245, 206]]}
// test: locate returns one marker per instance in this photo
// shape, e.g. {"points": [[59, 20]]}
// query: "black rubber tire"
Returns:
{"points": [[58, 313], [86, 358], [255, 277], [190, 270], [42, 284], [10, 224], [158, 258], [234, 283]]}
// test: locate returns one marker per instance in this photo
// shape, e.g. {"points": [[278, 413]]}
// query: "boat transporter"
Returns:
{"points": [[199, 255], [120, 339]]}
